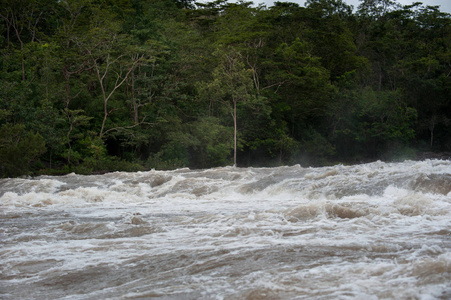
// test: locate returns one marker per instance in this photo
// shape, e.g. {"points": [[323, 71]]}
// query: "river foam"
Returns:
{"points": [[373, 231]]}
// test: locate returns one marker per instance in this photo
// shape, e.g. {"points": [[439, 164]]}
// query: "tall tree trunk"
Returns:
{"points": [[431, 129], [234, 133]]}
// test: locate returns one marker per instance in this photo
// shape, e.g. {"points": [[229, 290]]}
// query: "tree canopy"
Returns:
{"points": [[102, 85]]}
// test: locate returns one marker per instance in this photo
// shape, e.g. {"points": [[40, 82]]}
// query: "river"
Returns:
{"points": [[369, 231]]}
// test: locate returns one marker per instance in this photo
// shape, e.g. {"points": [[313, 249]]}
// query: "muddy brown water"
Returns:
{"points": [[370, 231]]}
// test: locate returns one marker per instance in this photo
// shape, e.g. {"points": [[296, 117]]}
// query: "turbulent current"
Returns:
{"points": [[370, 231]]}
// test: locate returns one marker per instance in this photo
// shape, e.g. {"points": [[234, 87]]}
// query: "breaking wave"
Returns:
{"points": [[377, 230]]}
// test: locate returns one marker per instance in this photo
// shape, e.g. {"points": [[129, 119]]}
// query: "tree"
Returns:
{"points": [[23, 20], [178, 83], [306, 88], [231, 84], [375, 123], [18, 149], [375, 9]]}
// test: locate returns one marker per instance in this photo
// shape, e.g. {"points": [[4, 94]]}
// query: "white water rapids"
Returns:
{"points": [[370, 231]]}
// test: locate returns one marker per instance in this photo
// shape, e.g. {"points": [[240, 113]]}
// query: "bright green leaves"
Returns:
{"points": [[231, 80], [298, 67], [240, 25], [211, 142], [386, 116], [304, 83], [231, 84]]}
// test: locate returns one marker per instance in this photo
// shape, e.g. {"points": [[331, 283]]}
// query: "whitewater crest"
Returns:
{"points": [[378, 230]]}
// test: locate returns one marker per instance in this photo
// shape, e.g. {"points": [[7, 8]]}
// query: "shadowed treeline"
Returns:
{"points": [[101, 85]]}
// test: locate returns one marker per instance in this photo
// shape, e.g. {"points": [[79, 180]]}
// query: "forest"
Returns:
{"points": [[91, 86]]}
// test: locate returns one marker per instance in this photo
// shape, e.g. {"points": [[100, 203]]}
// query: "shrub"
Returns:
{"points": [[19, 148]]}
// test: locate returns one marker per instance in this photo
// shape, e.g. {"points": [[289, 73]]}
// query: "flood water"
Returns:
{"points": [[369, 231]]}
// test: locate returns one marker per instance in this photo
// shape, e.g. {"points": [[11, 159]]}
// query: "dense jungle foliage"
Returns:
{"points": [[102, 85]]}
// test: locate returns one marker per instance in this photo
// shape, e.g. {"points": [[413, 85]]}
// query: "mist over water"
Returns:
{"points": [[370, 231]]}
